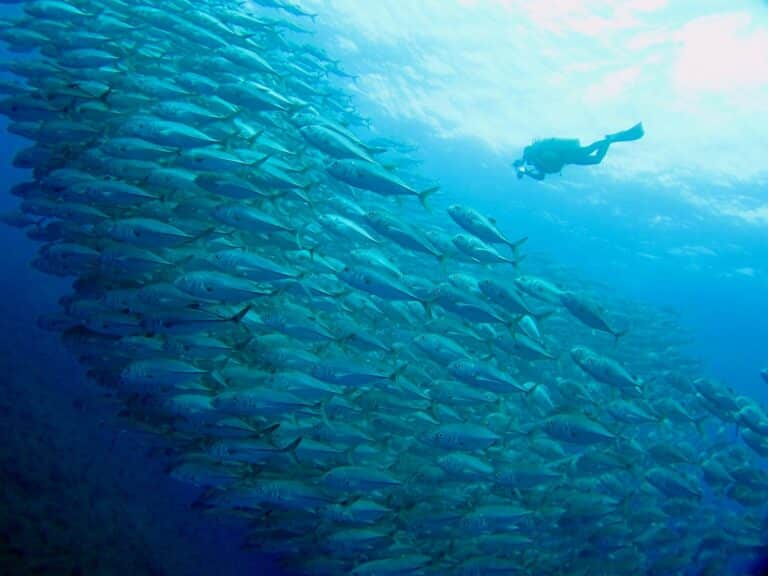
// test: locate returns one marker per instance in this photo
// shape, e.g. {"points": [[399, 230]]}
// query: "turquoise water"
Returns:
{"points": [[667, 233]]}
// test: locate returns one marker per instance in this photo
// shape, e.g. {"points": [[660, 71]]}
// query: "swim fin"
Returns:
{"points": [[634, 133]]}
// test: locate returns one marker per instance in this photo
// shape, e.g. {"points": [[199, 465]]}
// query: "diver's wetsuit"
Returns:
{"points": [[550, 155]]}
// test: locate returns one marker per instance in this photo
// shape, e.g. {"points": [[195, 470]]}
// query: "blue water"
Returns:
{"points": [[635, 241]]}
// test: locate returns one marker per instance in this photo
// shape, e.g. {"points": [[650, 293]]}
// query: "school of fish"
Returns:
{"points": [[377, 378]]}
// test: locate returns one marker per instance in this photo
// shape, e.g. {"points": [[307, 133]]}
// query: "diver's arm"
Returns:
{"points": [[534, 173]]}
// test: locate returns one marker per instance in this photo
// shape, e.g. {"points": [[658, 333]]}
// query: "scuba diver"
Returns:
{"points": [[550, 155]]}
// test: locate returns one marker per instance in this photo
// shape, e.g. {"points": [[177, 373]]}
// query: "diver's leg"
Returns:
{"points": [[592, 154]]}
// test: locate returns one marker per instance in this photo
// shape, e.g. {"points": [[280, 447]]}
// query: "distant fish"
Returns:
{"points": [[482, 227], [589, 313], [376, 178], [602, 368]]}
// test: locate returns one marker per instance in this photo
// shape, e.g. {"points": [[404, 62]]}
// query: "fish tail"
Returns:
{"points": [[218, 378], [425, 194], [103, 97], [427, 305], [530, 390], [251, 471], [268, 430], [626, 501], [260, 161], [200, 236], [240, 346], [539, 316], [233, 115], [299, 232], [240, 315], [441, 260], [297, 106], [203, 501], [698, 421], [292, 446], [324, 416], [517, 243], [398, 371], [619, 334]]}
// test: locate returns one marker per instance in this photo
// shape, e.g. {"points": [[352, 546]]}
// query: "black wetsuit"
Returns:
{"points": [[550, 155]]}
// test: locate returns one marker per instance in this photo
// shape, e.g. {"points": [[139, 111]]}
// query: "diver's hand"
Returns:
{"points": [[520, 171]]}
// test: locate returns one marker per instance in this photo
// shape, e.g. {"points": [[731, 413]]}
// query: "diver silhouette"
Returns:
{"points": [[549, 156]]}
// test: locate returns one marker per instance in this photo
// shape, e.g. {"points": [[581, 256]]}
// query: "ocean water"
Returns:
{"points": [[668, 232]]}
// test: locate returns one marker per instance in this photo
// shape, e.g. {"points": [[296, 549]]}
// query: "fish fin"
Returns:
{"points": [[260, 161], [233, 115], [103, 97], [442, 263], [324, 417], [425, 194], [349, 500], [427, 305], [240, 346], [516, 262], [530, 390], [292, 446], [240, 315], [268, 430], [626, 501], [201, 235], [252, 139], [218, 378], [697, 422], [398, 371], [374, 149], [539, 316], [299, 232], [619, 334], [516, 243], [201, 503], [251, 471], [297, 106]]}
